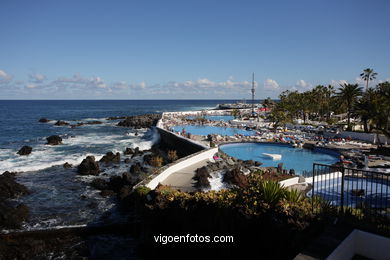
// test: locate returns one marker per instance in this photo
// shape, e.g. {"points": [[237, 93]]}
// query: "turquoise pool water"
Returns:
{"points": [[205, 130], [299, 159], [215, 118]]}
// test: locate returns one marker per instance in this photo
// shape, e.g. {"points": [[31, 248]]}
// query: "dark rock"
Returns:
{"points": [[54, 140], [9, 188], [107, 193], [93, 123], [116, 183], [12, 217], [61, 123], [124, 192], [202, 176], [25, 150], [280, 167], [249, 162], [67, 165], [358, 192], [127, 160], [136, 169], [88, 166], [141, 121], [116, 117], [147, 158], [99, 184], [128, 151], [292, 172], [43, 120], [257, 164], [127, 177], [235, 177], [110, 157]]}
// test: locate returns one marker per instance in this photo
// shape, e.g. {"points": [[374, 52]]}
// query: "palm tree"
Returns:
{"points": [[367, 75], [349, 94], [365, 108]]}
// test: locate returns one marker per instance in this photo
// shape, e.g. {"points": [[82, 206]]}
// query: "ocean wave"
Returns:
{"points": [[74, 150]]}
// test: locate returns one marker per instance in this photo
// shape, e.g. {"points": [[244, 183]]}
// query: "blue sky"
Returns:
{"points": [[187, 49]]}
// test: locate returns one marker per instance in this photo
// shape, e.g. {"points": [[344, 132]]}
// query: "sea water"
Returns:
{"points": [[60, 197]]}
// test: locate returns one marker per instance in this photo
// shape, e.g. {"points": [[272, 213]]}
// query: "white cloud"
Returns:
{"points": [[142, 84], [271, 84], [31, 86], [77, 81], [37, 78], [302, 85], [4, 76], [337, 83]]}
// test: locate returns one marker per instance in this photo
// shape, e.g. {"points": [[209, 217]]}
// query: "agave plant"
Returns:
{"points": [[294, 196], [272, 192]]}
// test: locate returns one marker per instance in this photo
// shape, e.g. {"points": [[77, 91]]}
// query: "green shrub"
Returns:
{"points": [[294, 196], [142, 190], [272, 192]]}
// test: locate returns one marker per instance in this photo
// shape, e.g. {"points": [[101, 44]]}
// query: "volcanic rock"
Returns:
{"points": [[110, 157], [136, 169], [202, 176], [12, 217], [25, 150], [235, 177], [67, 165], [99, 184], [116, 117], [43, 120], [54, 140], [88, 166], [141, 121], [107, 193], [61, 123], [9, 188], [128, 151]]}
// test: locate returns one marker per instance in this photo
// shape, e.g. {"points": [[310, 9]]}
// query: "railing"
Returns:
{"points": [[351, 188]]}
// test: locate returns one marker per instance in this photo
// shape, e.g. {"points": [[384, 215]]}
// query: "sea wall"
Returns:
{"points": [[182, 145], [181, 164]]}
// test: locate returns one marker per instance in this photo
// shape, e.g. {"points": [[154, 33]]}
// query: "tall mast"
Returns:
{"points": [[253, 93]]}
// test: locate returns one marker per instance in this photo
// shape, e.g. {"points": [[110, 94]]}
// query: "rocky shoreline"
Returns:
{"points": [[30, 244]]}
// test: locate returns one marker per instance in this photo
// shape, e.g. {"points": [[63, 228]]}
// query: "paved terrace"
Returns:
{"points": [[182, 179]]}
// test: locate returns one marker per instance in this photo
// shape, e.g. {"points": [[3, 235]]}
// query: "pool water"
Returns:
{"points": [[299, 159], [205, 130], [215, 118]]}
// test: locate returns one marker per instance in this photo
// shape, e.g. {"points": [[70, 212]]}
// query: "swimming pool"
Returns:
{"points": [[299, 159], [205, 130], [215, 118]]}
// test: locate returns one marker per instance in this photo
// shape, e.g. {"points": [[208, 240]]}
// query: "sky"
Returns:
{"points": [[187, 49]]}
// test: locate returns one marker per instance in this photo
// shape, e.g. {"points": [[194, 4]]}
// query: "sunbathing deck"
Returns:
{"points": [[182, 180]]}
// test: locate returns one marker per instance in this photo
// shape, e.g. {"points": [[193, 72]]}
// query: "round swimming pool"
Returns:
{"points": [[205, 130], [299, 159]]}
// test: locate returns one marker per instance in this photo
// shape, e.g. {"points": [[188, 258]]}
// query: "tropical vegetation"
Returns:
{"points": [[370, 106]]}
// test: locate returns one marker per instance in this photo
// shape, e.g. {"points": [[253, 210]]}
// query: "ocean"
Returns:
{"points": [[60, 197]]}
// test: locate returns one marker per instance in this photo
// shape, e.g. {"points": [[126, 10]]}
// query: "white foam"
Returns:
{"points": [[216, 182], [44, 156]]}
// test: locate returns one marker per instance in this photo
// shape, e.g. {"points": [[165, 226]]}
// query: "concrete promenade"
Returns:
{"points": [[182, 179]]}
